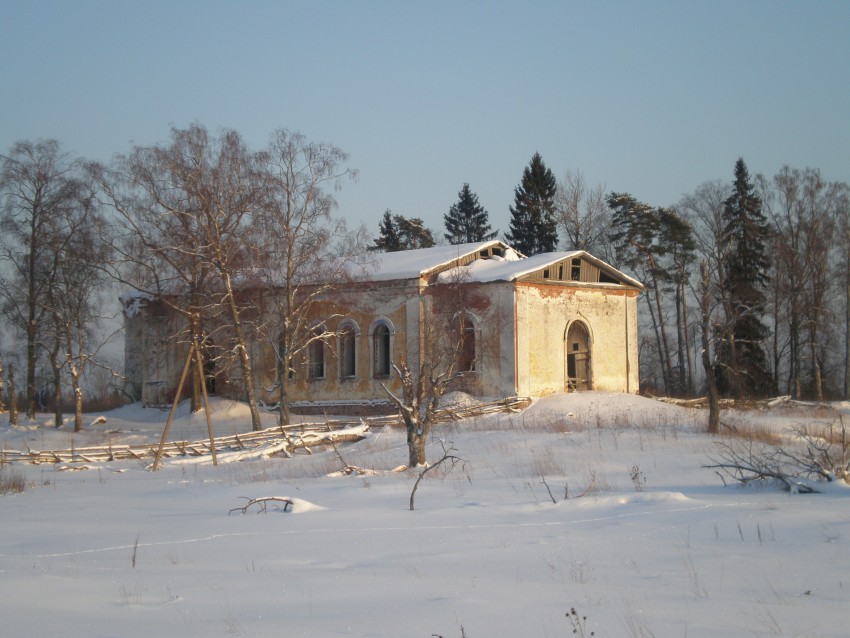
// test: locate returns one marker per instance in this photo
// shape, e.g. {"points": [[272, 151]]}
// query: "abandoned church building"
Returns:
{"points": [[511, 325]]}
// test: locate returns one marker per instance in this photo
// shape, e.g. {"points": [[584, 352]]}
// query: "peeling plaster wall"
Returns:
{"points": [[395, 302], [154, 354], [519, 327], [543, 314]]}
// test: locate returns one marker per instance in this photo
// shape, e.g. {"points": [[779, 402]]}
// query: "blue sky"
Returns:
{"points": [[651, 98]]}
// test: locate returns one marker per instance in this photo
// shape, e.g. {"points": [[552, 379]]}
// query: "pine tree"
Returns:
{"points": [[532, 227], [397, 232], [467, 221], [412, 233], [743, 365]]}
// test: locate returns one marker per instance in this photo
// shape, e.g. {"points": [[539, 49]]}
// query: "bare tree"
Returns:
{"points": [[704, 210], [76, 297], [156, 239], [186, 214], [804, 211], [812, 455], [444, 356], [306, 253], [38, 183], [583, 216], [637, 233]]}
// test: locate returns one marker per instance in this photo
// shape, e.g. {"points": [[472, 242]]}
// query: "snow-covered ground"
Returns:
{"points": [[658, 547]]}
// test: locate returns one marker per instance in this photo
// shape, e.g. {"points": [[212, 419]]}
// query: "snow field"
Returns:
{"points": [[658, 547]]}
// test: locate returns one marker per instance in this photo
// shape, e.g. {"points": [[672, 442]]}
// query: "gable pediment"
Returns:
{"points": [[578, 267]]}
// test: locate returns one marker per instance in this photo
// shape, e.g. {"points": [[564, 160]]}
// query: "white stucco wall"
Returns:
{"points": [[543, 314]]}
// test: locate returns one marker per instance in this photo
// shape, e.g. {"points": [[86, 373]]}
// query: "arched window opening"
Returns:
{"points": [[381, 350], [347, 352], [316, 357], [468, 355]]}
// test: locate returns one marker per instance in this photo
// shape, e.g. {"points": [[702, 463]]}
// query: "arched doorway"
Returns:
{"points": [[577, 355]]}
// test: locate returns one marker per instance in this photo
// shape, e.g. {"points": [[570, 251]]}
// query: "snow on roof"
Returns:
{"points": [[412, 264], [134, 300], [484, 270], [496, 269]]}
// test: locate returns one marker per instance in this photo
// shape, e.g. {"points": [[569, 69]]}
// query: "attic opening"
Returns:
{"points": [[492, 251], [575, 270]]}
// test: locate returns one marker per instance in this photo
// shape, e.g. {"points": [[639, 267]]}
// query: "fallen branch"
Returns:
{"points": [[262, 504], [448, 457], [586, 491]]}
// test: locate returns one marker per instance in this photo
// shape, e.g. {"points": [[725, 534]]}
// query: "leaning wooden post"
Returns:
{"points": [[199, 366], [173, 408]]}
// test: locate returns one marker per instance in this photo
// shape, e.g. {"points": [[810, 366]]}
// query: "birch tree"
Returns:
{"points": [[38, 184], [186, 221], [306, 253], [805, 211], [447, 351], [582, 215]]}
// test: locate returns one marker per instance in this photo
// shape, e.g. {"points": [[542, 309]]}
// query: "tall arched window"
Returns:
{"points": [[467, 354], [381, 351], [316, 356], [347, 351]]}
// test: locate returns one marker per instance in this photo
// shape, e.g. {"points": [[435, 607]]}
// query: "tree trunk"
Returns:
{"points": [[794, 375], [680, 341], [242, 353], [847, 327], [710, 381], [2, 389], [776, 356], [32, 323], [31, 361], [195, 378], [690, 379], [711, 387], [415, 446], [735, 367], [816, 371], [283, 402], [664, 374], [56, 366], [665, 350], [13, 397], [78, 399]]}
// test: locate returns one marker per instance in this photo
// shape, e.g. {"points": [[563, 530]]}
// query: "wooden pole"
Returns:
{"points": [[200, 368], [173, 407]]}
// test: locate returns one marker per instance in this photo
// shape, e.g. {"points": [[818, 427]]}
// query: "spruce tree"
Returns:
{"points": [[743, 368], [467, 221], [532, 227], [388, 240]]}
